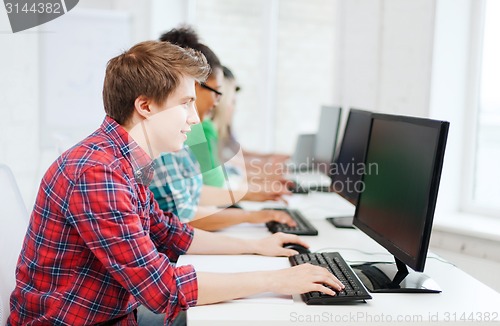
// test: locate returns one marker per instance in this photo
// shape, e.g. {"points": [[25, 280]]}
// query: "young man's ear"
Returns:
{"points": [[142, 106]]}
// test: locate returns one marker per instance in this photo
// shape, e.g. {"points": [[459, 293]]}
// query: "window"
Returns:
{"points": [[485, 185]]}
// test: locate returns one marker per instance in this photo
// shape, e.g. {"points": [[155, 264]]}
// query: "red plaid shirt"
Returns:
{"points": [[98, 245]]}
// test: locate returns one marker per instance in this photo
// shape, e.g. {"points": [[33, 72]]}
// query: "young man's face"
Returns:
{"points": [[170, 122]]}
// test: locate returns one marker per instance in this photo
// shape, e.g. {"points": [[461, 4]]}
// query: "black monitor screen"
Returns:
{"points": [[396, 207], [348, 168]]}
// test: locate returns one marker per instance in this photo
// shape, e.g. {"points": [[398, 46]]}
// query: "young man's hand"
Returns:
{"points": [[303, 278], [217, 287], [265, 216], [273, 245]]}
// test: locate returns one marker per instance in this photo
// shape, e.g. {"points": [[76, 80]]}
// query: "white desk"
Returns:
{"points": [[463, 299]]}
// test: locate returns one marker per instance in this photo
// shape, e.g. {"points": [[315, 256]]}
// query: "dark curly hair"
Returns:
{"points": [[186, 37]]}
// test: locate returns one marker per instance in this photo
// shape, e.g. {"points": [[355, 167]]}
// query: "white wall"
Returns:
{"points": [[283, 54], [237, 33], [20, 126], [373, 54], [386, 55], [141, 13], [306, 67], [19, 105]]}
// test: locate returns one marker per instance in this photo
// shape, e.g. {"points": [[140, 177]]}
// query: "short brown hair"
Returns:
{"points": [[152, 69]]}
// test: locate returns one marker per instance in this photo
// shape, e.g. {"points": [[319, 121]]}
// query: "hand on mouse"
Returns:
{"points": [[298, 248], [273, 245]]}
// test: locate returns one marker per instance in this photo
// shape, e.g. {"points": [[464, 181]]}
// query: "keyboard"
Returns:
{"points": [[333, 261], [304, 227]]}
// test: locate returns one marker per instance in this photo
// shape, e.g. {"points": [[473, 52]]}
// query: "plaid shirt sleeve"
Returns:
{"points": [[177, 184], [169, 241], [104, 208]]}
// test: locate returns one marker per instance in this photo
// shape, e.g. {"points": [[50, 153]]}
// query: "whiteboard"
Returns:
{"points": [[74, 51]]}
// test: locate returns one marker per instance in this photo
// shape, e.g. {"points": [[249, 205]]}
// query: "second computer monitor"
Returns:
{"points": [[348, 167]]}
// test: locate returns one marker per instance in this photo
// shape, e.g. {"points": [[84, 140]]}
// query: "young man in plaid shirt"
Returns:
{"points": [[98, 246]]}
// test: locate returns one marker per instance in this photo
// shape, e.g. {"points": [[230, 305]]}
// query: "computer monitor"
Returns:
{"points": [[396, 206], [315, 151], [326, 137], [304, 151], [348, 167]]}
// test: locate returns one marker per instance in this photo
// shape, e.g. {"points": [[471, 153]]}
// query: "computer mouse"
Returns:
{"points": [[299, 248]]}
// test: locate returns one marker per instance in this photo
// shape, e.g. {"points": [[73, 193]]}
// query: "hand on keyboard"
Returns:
{"points": [[303, 226], [305, 278], [336, 265], [265, 216]]}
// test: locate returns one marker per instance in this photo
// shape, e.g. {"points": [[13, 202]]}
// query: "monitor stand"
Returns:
{"points": [[343, 222], [394, 278]]}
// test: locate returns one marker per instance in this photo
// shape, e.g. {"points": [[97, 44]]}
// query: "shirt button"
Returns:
{"points": [[138, 173]]}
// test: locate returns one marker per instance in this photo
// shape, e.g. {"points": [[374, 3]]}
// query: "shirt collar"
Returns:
{"points": [[141, 163]]}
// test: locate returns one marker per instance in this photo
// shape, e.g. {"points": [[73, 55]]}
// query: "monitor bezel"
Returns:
{"points": [[416, 263]]}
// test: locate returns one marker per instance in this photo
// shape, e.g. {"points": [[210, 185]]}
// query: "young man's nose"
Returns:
{"points": [[193, 117]]}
